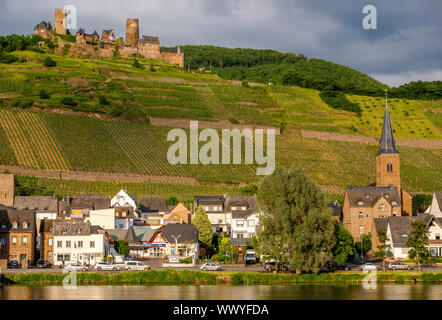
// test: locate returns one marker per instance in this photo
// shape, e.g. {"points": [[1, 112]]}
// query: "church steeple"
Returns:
{"points": [[387, 143]]}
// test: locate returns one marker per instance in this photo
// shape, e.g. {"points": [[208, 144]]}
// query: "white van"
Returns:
{"points": [[250, 256], [135, 266]]}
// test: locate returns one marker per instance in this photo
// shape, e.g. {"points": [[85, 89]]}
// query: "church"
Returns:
{"points": [[382, 199]]}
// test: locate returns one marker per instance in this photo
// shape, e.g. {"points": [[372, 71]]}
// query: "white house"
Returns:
{"points": [[398, 228], [436, 205], [78, 241], [122, 199], [104, 218], [244, 224]]}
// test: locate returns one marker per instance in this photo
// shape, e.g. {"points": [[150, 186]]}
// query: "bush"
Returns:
{"points": [[69, 101], [137, 64], [245, 84], [216, 257], [48, 62], [103, 101], [7, 58], [186, 260], [43, 94], [233, 120], [152, 69], [338, 100]]}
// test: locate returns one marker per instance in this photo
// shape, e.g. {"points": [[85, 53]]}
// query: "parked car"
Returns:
{"points": [[14, 264], [41, 263], [135, 266], [398, 265], [250, 257], [99, 266], [369, 267], [210, 266], [75, 267]]}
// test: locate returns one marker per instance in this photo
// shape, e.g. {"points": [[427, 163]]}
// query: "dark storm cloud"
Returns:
{"points": [[406, 46]]}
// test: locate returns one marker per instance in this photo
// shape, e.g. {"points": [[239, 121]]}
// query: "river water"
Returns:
{"points": [[224, 292]]}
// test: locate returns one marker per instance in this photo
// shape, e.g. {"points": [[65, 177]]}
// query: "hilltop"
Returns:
{"points": [[85, 115]]}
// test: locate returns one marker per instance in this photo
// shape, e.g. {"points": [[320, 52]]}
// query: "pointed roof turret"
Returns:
{"points": [[387, 143]]}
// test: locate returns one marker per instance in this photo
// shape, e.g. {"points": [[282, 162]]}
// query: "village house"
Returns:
{"points": [[129, 235], [79, 206], [78, 241], [245, 218], [435, 208], [123, 199], [175, 239], [152, 207], [43, 29], [144, 234], [17, 237], [216, 209], [47, 240], [45, 207], [398, 228], [385, 198], [179, 214]]}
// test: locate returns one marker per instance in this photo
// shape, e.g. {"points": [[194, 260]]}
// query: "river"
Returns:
{"points": [[224, 292]]}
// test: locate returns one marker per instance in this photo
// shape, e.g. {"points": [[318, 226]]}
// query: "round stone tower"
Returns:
{"points": [[132, 31]]}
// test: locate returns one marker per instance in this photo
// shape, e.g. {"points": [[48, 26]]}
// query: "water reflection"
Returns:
{"points": [[224, 292]]}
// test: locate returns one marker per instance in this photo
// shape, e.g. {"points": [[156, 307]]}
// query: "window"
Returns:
{"points": [[361, 215], [382, 207], [389, 167], [251, 223], [3, 225], [360, 203], [14, 240], [59, 245], [68, 244], [239, 235], [14, 225], [80, 244], [361, 229], [437, 236], [92, 244], [3, 241], [220, 221], [49, 255], [240, 223], [25, 225], [24, 240], [50, 242]]}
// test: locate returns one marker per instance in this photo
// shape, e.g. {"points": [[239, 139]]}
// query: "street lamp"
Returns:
{"points": [[176, 242]]}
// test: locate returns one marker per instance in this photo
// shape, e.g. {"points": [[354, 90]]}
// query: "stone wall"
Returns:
{"points": [[7, 189]]}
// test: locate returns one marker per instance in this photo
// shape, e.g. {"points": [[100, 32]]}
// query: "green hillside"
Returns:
{"points": [[92, 116]]}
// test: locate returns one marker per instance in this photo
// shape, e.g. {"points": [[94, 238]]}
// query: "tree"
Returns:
{"points": [[420, 201], [297, 226], [344, 246], [48, 62], [202, 223], [417, 242], [364, 245], [383, 252], [172, 201], [137, 64], [122, 247]]}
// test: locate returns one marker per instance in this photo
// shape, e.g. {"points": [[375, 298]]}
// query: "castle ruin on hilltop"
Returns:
{"points": [[108, 46]]}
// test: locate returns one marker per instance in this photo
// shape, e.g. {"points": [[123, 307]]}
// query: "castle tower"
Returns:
{"points": [[387, 158], [132, 31], [59, 21]]}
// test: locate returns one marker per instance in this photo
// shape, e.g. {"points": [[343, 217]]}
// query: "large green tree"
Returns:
{"points": [[344, 247], [417, 242], [383, 251], [297, 226], [364, 245], [202, 223], [122, 247]]}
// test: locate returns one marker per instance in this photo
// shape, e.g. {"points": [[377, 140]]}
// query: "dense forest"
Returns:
{"points": [[266, 66]]}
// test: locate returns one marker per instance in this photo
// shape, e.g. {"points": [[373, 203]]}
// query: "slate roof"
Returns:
{"points": [[128, 235], [208, 200], [39, 203], [144, 233], [128, 210], [71, 228], [187, 233], [336, 209], [152, 205], [240, 241], [370, 195], [83, 201], [149, 39], [387, 144], [7, 217], [43, 25], [400, 226]]}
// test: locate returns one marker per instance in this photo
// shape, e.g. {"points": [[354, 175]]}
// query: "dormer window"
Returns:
{"points": [[25, 225], [14, 225], [382, 207], [360, 203], [394, 203], [3, 225]]}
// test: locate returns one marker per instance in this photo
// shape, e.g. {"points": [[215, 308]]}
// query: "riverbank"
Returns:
{"points": [[204, 277]]}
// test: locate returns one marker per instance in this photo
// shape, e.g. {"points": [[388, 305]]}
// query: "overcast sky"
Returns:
{"points": [[406, 46]]}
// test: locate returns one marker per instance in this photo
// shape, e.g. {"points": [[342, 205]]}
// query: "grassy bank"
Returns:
{"points": [[234, 278]]}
